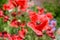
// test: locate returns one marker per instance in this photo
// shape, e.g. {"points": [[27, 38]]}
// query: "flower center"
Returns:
{"points": [[38, 22]]}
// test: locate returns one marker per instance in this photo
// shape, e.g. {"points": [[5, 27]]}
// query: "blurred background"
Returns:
{"points": [[51, 6]]}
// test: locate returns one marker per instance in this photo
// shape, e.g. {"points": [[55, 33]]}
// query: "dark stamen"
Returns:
{"points": [[37, 23]]}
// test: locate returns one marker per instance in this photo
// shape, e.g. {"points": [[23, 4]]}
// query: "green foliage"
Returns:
{"points": [[55, 9], [1, 23], [34, 8]]}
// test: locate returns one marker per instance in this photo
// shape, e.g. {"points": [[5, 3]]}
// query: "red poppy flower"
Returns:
{"points": [[15, 23], [19, 38], [4, 34], [38, 22], [13, 2], [14, 37], [40, 10], [22, 33], [22, 4], [32, 26], [49, 15], [8, 6], [6, 18], [50, 34], [9, 36]]}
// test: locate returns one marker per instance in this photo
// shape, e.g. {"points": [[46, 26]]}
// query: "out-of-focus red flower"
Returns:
{"points": [[8, 6], [40, 10], [13, 14], [50, 34], [49, 15], [19, 38], [4, 34], [22, 33], [38, 22], [1, 13], [0, 34], [6, 18], [13, 2], [15, 23], [14, 37], [22, 4]]}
